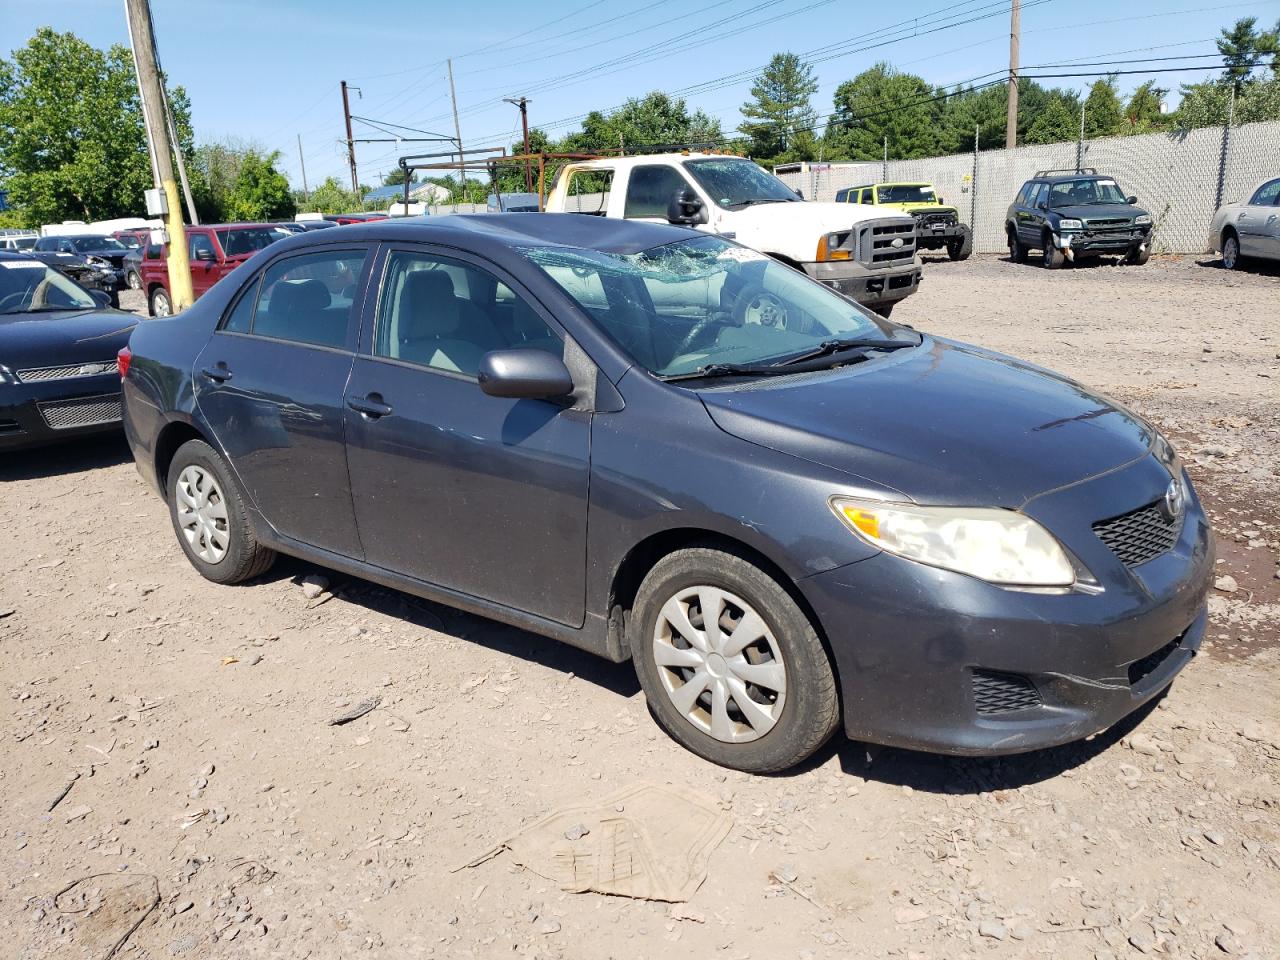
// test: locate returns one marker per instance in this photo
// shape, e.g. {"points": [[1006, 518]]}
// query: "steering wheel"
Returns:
{"points": [[697, 330], [17, 297]]}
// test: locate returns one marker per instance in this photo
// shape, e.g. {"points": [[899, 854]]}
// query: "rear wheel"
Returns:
{"points": [[161, 305], [1017, 252], [730, 665], [209, 517], [1231, 251], [1053, 257]]}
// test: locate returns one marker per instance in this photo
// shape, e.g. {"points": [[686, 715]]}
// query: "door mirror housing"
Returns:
{"points": [[800, 193], [204, 254], [101, 297], [1132, 199], [524, 375], [686, 208]]}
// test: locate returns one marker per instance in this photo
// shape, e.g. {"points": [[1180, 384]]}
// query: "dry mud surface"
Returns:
{"points": [[212, 811]]}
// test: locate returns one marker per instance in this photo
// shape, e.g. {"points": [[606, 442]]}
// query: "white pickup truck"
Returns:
{"points": [[863, 253]]}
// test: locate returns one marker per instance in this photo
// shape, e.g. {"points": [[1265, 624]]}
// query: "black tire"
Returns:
{"points": [[1138, 256], [1053, 258], [810, 709], [1231, 258], [133, 280], [960, 249], [1017, 251], [244, 558], [159, 303]]}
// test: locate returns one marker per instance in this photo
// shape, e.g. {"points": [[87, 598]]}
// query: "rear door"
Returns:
{"points": [[270, 383], [483, 495]]}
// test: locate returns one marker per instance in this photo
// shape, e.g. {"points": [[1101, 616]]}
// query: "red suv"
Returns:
{"points": [[214, 251]]}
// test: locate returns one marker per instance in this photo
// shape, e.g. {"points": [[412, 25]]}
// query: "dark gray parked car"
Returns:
{"points": [[1076, 214], [787, 519]]}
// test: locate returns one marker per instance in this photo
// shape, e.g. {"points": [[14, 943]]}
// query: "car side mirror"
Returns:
{"points": [[686, 208], [524, 375], [1042, 205], [204, 255], [101, 297], [940, 200], [1132, 199], [799, 193]]}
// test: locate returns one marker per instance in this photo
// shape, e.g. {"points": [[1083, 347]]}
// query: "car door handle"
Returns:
{"points": [[371, 406], [218, 374]]}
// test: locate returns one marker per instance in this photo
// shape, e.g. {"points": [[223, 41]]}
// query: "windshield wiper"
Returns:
{"points": [[755, 200], [44, 309], [729, 370], [828, 347]]}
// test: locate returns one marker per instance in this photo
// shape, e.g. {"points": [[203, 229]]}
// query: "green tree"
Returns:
{"points": [[261, 192], [1243, 46], [330, 197], [1054, 123], [779, 113], [1142, 114], [72, 141], [1209, 104], [642, 123], [881, 102], [395, 177], [1103, 114]]}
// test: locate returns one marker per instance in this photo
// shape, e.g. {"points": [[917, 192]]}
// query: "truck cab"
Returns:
{"points": [[866, 255]]}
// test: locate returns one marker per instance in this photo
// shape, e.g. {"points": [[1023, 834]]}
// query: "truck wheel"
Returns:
{"points": [[731, 667], [960, 249], [161, 305], [1138, 256], [1017, 252], [1053, 257]]}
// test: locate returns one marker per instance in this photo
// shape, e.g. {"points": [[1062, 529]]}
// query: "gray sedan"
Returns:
{"points": [[1249, 229]]}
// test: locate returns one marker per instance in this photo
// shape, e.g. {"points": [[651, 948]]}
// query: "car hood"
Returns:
{"points": [[51, 339], [1099, 211], [944, 423], [809, 217]]}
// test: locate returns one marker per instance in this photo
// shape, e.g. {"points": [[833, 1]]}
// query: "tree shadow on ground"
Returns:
{"points": [[80, 456]]}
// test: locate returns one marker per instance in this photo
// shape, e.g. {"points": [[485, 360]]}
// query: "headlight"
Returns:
{"points": [[999, 546], [98, 261], [829, 247], [1066, 223], [1142, 219]]}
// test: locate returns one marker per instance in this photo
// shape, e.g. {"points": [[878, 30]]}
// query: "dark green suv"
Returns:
{"points": [[1075, 214]]}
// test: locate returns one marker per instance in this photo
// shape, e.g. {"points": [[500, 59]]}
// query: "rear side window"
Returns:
{"points": [[588, 192], [305, 299], [1021, 198], [650, 189], [866, 196]]}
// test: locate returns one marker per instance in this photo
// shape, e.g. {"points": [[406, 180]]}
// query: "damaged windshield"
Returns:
{"points": [[706, 303]]}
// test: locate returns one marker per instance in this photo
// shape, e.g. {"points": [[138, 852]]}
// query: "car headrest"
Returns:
{"points": [[298, 296], [428, 307]]}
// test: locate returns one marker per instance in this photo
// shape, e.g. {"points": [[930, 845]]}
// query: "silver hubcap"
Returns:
{"points": [[720, 664], [161, 305], [202, 514], [1230, 251], [766, 310]]}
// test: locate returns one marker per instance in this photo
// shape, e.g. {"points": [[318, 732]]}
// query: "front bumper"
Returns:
{"points": [[1079, 242], [35, 414], [918, 648], [868, 287], [938, 235]]}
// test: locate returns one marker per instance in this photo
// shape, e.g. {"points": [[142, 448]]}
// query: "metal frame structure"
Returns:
{"points": [[489, 164]]}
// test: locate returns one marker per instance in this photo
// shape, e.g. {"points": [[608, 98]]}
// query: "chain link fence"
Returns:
{"points": [[1180, 177]]}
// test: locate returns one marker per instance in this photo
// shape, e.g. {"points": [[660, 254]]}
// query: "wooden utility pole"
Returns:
{"points": [[523, 104], [151, 92], [1011, 121], [306, 193], [351, 144], [457, 130]]}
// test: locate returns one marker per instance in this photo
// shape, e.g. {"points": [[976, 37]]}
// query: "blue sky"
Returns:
{"points": [[266, 71]]}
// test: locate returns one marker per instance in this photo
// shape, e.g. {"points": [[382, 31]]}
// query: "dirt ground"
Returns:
{"points": [[210, 810]]}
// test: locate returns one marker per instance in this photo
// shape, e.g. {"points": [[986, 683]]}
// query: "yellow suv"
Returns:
{"points": [[937, 225]]}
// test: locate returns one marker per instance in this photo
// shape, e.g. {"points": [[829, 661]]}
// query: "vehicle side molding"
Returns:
{"points": [[524, 375]]}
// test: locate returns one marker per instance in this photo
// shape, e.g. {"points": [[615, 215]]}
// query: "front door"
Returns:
{"points": [[483, 495], [270, 383], [203, 257]]}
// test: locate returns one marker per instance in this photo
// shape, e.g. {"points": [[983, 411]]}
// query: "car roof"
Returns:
{"points": [[18, 255], [493, 232]]}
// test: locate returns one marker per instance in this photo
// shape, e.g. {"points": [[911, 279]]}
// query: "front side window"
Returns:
{"points": [[687, 305], [1070, 193], [200, 247], [588, 192], [650, 189], [447, 315], [732, 182], [866, 196], [1268, 195], [305, 299]]}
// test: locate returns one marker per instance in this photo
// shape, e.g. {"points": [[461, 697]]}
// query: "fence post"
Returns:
{"points": [[973, 190], [1225, 153], [884, 169], [1080, 141]]}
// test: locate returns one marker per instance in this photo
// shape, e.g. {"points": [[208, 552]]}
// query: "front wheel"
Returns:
{"points": [[161, 305], [960, 249], [1053, 257], [730, 665], [134, 281], [1138, 256], [1231, 252], [209, 517]]}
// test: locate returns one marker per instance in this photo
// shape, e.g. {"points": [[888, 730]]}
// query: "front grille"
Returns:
{"points": [[995, 693], [874, 243], [1140, 535], [935, 219], [1140, 669], [1108, 222], [68, 372], [87, 412]]}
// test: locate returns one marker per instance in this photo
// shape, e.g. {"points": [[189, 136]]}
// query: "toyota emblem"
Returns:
{"points": [[1173, 501]]}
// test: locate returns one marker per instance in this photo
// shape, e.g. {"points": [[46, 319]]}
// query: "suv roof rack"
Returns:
{"points": [[1087, 171]]}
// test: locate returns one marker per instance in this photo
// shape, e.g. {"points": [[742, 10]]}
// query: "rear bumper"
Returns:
{"points": [[933, 660], [36, 414], [868, 287]]}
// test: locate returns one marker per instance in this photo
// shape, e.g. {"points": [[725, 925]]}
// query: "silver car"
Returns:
{"points": [[1250, 229]]}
